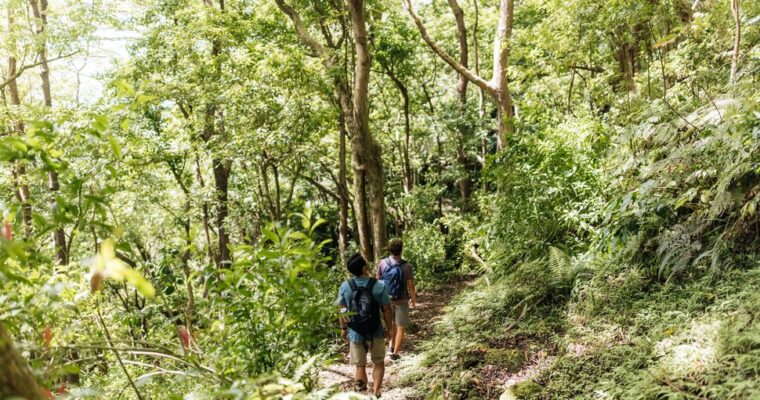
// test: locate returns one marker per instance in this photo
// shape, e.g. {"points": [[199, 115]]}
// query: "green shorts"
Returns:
{"points": [[401, 315]]}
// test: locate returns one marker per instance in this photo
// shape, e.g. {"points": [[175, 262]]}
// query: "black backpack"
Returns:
{"points": [[365, 310]]}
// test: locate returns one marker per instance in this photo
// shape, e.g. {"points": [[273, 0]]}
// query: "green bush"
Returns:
{"points": [[549, 188], [424, 248]]}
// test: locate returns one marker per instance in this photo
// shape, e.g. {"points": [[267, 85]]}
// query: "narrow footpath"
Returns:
{"points": [[430, 307]]}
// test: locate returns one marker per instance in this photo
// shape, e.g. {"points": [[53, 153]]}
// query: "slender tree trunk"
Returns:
{"points": [[222, 170], [406, 163], [222, 167], [204, 206], [409, 175], [265, 187], [481, 94], [20, 183], [186, 255], [278, 197], [465, 184], [737, 39], [342, 193], [16, 380], [39, 9], [186, 252], [502, 47], [476, 49]]}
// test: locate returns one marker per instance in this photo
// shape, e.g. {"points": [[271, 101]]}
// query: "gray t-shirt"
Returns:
{"points": [[407, 271]]}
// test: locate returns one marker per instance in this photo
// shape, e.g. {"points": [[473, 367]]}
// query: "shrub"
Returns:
{"points": [[424, 248]]}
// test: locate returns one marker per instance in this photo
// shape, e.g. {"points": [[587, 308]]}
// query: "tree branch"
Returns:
{"points": [[461, 69], [301, 31], [23, 68]]}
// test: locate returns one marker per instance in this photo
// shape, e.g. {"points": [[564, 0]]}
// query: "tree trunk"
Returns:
{"points": [[16, 380], [501, 51], [221, 167], [405, 160], [204, 206], [627, 60], [481, 95], [342, 193], [737, 39], [222, 170], [39, 9], [186, 252], [20, 183], [370, 161], [465, 184]]}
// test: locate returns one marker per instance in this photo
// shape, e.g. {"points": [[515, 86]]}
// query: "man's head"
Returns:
{"points": [[396, 246], [356, 264]]}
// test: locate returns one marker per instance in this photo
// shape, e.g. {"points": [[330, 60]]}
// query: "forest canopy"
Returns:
{"points": [[182, 183]]}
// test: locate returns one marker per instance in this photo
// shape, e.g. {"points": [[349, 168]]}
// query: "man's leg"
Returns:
{"points": [[378, 371], [399, 339], [359, 359], [392, 340], [361, 373], [378, 359], [401, 321]]}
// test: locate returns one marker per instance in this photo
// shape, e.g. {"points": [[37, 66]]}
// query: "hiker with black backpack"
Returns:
{"points": [[361, 300], [398, 276]]}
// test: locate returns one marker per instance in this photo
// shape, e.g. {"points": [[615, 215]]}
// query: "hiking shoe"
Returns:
{"points": [[395, 356], [360, 386]]}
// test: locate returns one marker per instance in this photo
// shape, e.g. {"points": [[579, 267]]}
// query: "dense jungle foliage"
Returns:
{"points": [[177, 218]]}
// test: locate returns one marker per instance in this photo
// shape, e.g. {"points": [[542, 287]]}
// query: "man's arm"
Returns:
{"points": [[387, 315], [412, 293], [342, 322]]}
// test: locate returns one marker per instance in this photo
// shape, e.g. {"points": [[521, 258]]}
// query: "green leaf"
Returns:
{"points": [[115, 147], [101, 123]]}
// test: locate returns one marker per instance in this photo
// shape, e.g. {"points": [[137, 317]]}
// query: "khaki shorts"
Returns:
{"points": [[359, 351], [401, 315]]}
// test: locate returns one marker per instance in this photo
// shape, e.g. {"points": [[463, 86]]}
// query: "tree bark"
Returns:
{"points": [[222, 167], [342, 192], [16, 380], [39, 9], [204, 206], [368, 150], [465, 184], [405, 159], [20, 183], [501, 50], [737, 39], [222, 170], [481, 93], [186, 252]]}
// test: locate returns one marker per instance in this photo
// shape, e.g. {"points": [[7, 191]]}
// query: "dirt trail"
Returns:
{"points": [[430, 304]]}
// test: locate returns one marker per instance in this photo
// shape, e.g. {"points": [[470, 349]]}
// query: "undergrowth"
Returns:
{"points": [[638, 285]]}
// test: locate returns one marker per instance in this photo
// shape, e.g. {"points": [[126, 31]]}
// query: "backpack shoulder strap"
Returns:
{"points": [[371, 284], [352, 284]]}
